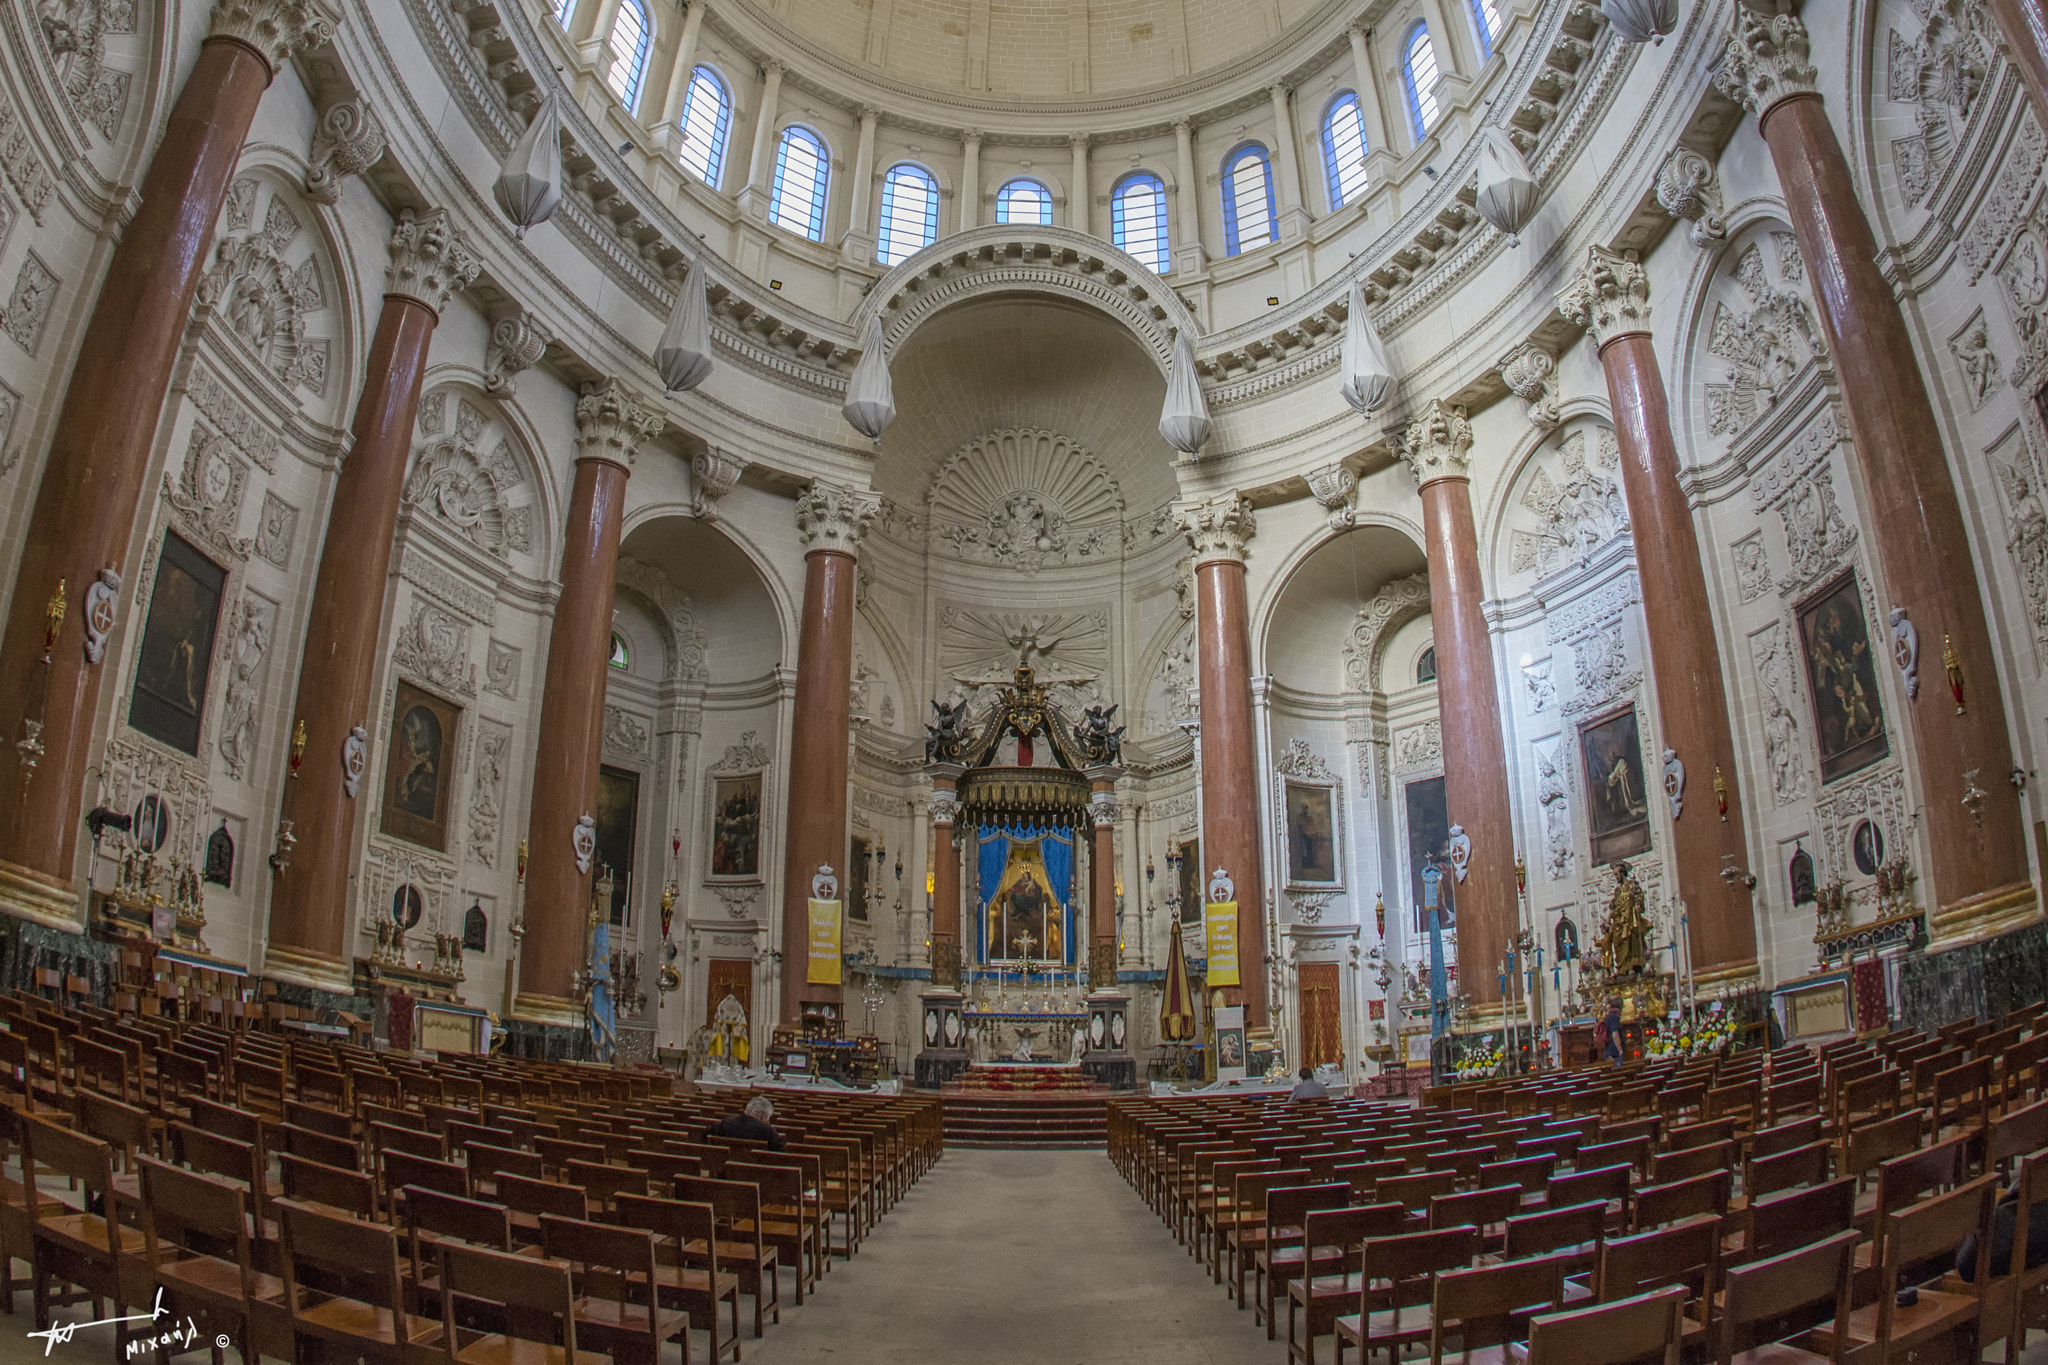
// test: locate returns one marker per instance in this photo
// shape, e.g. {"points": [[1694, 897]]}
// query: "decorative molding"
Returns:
{"points": [[74, 36], [829, 517], [501, 669], [275, 28], [1943, 74], [1768, 59], [1392, 607], [249, 433], [1530, 371], [1752, 566], [1688, 188], [2026, 526], [1758, 345], [1554, 811], [1335, 489], [277, 526], [1419, 748], [262, 299], [677, 611], [1301, 762], [518, 341], [2003, 210], [437, 582], [433, 646], [713, 474], [1023, 498], [625, 735], [466, 490], [747, 756], [347, 141], [28, 307], [206, 496], [1579, 508], [1975, 360]]}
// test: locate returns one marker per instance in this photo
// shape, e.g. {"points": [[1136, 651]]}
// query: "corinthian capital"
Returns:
{"points": [[829, 517], [1438, 444], [429, 260], [275, 28], [1217, 528], [612, 421], [1611, 296], [1768, 59]]}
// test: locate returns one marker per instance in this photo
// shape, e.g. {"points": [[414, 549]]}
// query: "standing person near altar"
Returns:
{"points": [[753, 1124]]}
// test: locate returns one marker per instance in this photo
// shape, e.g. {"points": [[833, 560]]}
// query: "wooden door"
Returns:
{"points": [[732, 976], [1322, 1018]]}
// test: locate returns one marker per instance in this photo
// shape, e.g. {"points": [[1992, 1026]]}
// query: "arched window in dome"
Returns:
{"points": [[1344, 149], [1137, 219], [910, 212], [1024, 201], [1486, 22], [1247, 199], [1418, 78], [1425, 666], [632, 35], [621, 657], [707, 118], [563, 9], [802, 167]]}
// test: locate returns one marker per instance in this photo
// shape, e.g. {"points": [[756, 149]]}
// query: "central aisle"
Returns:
{"points": [[1017, 1258]]}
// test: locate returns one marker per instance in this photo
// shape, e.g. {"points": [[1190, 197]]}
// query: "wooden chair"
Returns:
{"points": [[196, 1235], [531, 1200], [1687, 1253], [319, 1118], [312, 1146], [1797, 1218], [535, 1299], [1657, 1205], [95, 1251], [1963, 1097], [1666, 1167], [1330, 1282], [310, 1182], [686, 1246], [2014, 1135], [487, 1163], [1642, 1329], [1400, 1315], [741, 1246], [1483, 1209], [402, 1169], [1485, 1308], [1606, 1185], [1577, 1231], [785, 1223], [1766, 1175], [1766, 1302], [1284, 1255], [359, 1308], [604, 1183], [620, 1310], [432, 1218], [392, 1137], [2027, 1288], [1929, 1231]]}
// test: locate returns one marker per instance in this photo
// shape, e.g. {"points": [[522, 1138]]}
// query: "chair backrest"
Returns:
{"points": [[319, 1117], [624, 1256], [212, 1154], [313, 1182], [1410, 1263], [1699, 1134], [534, 1298], [1489, 1305], [360, 1256], [1481, 1208], [1687, 1252], [604, 1183], [1657, 1205], [1344, 1230], [2030, 1182], [1932, 1231], [1630, 1151], [1783, 1137], [201, 1214], [1780, 1296], [1875, 1142], [1530, 1173], [390, 1136], [2017, 1133], [1691, 1161], [401, 1169], [1786, 1170], [1797, 1218], [1647, 1327], [1532, 1234], [447, 1215], [52, 1149], [1415, 1191], [486, 1160], [1602, 1183], [312, 1146], [690, 1224], [227, 1121], [1903, 1179], [540, 1198]]}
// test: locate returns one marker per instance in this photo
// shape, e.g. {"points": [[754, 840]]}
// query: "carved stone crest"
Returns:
{"points": [[355, 757], [583, 839], [102, 602]]}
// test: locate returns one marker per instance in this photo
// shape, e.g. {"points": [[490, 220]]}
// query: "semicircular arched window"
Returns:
{"points": [[1344, 149], [1425, 666], [1137, 219], [910, 212], [802, 170], [1486, 23], [1418, 79], [1024, 201], [620, 657], [1247, 199], [632, 35], [707, 119]]}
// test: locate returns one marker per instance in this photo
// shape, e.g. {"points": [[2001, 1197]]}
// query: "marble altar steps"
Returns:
{"points": [[1025, 1119], [1009, 1078]]}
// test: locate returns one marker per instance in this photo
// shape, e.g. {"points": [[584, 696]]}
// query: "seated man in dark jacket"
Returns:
{"points": [[752, 1124]]}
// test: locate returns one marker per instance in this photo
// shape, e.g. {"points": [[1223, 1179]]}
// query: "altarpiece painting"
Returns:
{"points": [[176, 659], [1611, 749], [1841, 677], [419, 767]]}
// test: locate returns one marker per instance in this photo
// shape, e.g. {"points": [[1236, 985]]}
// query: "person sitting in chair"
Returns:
{"points": [[1308, 1087], [752, 1124]]}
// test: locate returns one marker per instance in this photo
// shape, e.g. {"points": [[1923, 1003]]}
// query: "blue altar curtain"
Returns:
{"points": [[603, 1025], [993, 855]]}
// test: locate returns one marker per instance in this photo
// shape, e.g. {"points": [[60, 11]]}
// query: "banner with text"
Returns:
{"points": [[824, 963], [1219, 923]]}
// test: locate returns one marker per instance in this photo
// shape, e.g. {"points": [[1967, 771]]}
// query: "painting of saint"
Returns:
{"points": [[1612, 752], [1311, 835], [736, 827], [419, 767], [176, 660], [618, 818], [1025, 906], [1429, 839], [1841, 675]]}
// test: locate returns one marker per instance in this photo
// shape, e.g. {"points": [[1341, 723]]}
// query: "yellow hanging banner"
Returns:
{"points": [[824, 959], [1219, 925]]}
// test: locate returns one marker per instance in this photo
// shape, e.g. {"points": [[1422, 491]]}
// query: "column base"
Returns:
{"points": [[1984, 915], [40, 898], [1726, 974], [552, 1011], [314, 971]]}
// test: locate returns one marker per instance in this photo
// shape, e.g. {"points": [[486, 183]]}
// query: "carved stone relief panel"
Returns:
{"points": [[487, 791], [469, 475], [1171, 697], [1591, 625], [1752, 566], [1878, 796], [1797, 482], [1976, 364], [1554, 807], [980, 646], [1419, 748], [10, 408], [28, 307], [1392, 607], [75, 36], [1940, 71], [1760, 332], [433, 646], [676, 611], [269, 286], [277, 526], [501, 670], [250, 635], [389, 864], [206, 493], [1570, 504], [2026, 524], [625, 735], [1026, 498], [1773, 653]]}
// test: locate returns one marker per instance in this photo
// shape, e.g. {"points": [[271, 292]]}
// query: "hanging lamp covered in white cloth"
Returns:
{"points": [[683, 355], [529, 184], [1184, 418], [870, 397], [1507, 187], [1641, 21], [1367, 380]]}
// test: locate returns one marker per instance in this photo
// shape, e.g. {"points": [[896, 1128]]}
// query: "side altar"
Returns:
{"points": [[1024, 887]]}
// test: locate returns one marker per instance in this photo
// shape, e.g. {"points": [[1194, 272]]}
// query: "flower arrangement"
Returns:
{"points": [[1480, 1062], [1699, 1036]]}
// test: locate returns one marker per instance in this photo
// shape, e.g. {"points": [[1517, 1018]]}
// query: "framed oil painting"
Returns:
{"points": [[856, 883], [1617, 800], [1841, 677], [419, 767], [176, 660], [736, 828], [1429, 840], [1311, 834], [618, 821]]}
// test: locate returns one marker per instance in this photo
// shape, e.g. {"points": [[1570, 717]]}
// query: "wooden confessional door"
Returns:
{"points": [[1322, 1020], [732, 976]]}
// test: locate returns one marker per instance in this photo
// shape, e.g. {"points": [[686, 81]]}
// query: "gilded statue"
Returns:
{"points": [[1624, 940]]}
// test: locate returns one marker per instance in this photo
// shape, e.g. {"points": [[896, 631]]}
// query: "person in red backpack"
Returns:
{"points": [[1607, 1033]]}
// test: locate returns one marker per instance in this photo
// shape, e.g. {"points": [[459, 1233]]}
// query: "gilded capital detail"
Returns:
{"points": [[1611, 296], [1218, 528], [1438, 444], [612, 421], [275, 28], [1768, 59], [430, 261], [829, 517]]}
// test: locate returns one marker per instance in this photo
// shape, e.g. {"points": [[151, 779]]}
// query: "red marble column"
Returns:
{"points": [[945, 900], [1102, 813], [345, 622], [1218, 530], [1978, 861], [610, 425], [1437, 447], [831, 521], [100, 453], [1612, 297], [2025, 25]]}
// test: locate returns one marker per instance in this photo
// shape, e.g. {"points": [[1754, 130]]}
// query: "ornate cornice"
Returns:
{"points": [[1769, 59], [430, 261], [829, 517], [612, 421], [1610, 297], [1218, 528], [1438, 444]]}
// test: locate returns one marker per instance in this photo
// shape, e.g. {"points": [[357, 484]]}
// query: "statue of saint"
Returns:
{"points": [[1624, 940]]}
